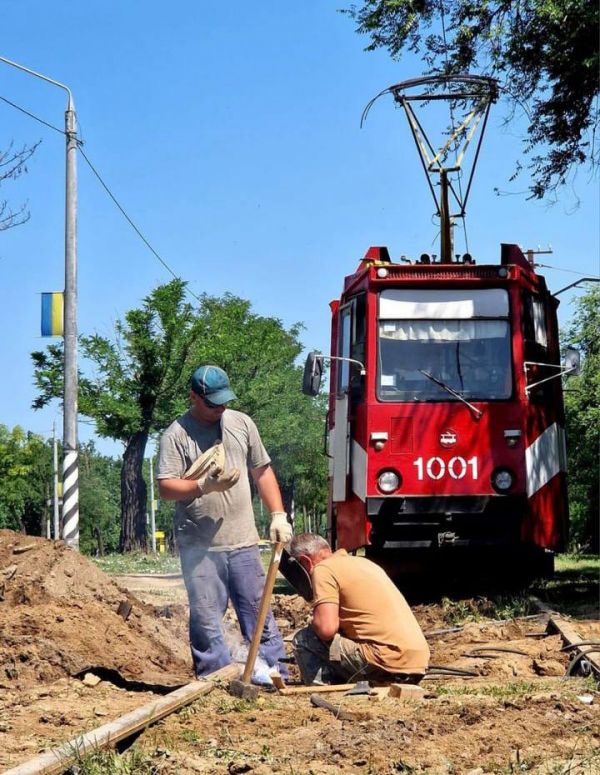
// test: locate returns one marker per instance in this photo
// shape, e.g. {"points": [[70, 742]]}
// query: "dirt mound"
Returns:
{"points": [[61, 615]]}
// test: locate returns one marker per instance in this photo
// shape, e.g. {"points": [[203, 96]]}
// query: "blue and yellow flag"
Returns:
{"points": [[52, 313]]}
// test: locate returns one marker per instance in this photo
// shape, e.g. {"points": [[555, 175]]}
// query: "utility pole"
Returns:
{"points": [[152, 509], [55, 484], [70, 482], [70, 494]]}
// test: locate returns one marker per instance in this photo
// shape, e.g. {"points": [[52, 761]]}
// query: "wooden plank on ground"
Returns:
{"points": [[571, 637], [57, 760], [316, 689]]}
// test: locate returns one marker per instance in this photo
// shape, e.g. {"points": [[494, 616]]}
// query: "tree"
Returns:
{"points": [[138, 383], [259, 356], [13, 164], [26, 475], [141, 383], [544, 53], [582, 406], [99, 501]]}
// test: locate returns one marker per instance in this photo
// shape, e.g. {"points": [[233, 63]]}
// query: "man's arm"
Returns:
{"points": [[326, 620], [268, 488], [177, 489], [280, 529]]}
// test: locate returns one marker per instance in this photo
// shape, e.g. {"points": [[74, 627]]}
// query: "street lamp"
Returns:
{"points": [[70, 509]]}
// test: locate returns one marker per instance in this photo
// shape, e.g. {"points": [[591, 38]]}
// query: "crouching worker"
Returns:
{"points": [[362, 627]]}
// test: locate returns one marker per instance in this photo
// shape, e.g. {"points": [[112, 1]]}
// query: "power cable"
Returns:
{"points": [[560, 269], [105, 187], [443, 670], [579, 659], [32, 115], [488, 652], [130, 222]]}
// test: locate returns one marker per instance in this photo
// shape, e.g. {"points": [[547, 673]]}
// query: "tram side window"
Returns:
{"points": [[344, 343], [351, 344], [357, 347], [535, 321]]}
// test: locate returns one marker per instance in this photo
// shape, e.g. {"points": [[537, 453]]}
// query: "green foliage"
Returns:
{"points": [[139, 377], [544, 53], [99, 501], [582, 409], [26, 476], [259, 355], [136, 384], [499, 607]]}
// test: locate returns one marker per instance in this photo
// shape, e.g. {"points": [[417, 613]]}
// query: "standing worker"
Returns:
{"points": [[362, 627], [214, 521]]}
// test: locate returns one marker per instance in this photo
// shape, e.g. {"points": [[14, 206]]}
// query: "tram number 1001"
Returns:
{"points": [[455, 468]]}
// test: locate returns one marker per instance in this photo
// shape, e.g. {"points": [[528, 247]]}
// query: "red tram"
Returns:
{"points": [[446, 422]]}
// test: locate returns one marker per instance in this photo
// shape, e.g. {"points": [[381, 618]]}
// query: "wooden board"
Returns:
{"points": [[571, 637], [58, 759]]}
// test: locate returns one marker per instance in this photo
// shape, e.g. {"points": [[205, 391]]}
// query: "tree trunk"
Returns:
{"points": [[99, 541], [287, 493], [133, 495]]}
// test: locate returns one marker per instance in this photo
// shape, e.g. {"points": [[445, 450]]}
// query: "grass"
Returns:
{"points": [[507, 691], [574, 588], [478, 609], [132, 762], [578, 565], [138, 562], [502, 692], [579, 763]]}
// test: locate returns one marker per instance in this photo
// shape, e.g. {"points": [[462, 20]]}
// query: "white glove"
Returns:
{"points": [[280, 530], [211, 462], [218, 483]]}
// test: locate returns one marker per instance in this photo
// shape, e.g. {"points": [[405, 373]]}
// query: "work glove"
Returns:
{"points": [[210, 463], [280, 530], [218, 483]]}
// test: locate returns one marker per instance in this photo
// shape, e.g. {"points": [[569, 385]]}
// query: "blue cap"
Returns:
{"points": [[212, 383]]}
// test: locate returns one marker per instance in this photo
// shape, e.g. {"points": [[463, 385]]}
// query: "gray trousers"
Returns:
{"points": [[338, 661]]}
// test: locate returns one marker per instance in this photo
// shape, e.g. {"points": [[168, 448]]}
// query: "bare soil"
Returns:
{"points": [[59, 620]]}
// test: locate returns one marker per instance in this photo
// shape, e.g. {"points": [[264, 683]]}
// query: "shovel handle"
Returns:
{"points": [[262, 611]]}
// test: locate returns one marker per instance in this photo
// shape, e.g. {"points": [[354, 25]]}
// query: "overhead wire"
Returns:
{"points": [[560, 269], [106, 189], [32, 115], [130, 221]]}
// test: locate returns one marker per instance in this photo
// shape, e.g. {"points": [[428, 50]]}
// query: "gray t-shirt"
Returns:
{"points": [[222, 521]]}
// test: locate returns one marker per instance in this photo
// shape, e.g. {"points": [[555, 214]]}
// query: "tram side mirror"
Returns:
{"points": [[572, 361], [313, 373]]}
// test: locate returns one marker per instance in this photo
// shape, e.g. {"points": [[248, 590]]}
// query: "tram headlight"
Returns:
{"points": [[502, 480], [388, 481]]}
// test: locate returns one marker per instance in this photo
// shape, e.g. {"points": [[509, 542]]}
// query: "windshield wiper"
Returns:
{"points": [[477, 412]]}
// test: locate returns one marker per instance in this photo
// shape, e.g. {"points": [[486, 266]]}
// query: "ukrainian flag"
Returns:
{"points": [[52, 314]]}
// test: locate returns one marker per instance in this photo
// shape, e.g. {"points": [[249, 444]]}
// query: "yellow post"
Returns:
{"points": [[160, 541]]}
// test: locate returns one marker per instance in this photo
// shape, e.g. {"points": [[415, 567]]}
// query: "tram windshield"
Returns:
{"points": [[421, 357]]}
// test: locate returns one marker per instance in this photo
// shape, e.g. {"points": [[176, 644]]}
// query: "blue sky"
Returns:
{"points": [[230, 134]]}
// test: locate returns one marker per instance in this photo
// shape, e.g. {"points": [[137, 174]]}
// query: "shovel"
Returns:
{"points": [[243, 687]]}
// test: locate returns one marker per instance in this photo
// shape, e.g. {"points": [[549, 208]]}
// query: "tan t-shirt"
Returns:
{"points": [[372, 611], [224, 520]]}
